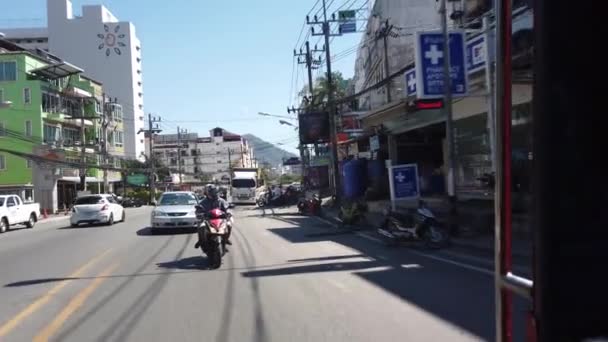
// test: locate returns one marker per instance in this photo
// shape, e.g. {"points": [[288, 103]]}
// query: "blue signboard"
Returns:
{"points": [[410, 82], [404, 182], [476, 54], [348, 27], [429, 64]]}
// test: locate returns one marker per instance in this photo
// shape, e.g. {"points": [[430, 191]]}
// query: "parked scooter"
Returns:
{"points": [[212, 231], [352, 213], [419, 225]]}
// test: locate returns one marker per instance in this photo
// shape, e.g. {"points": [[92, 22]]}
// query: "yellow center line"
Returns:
{"points": [[73, 306], [38, 303]]}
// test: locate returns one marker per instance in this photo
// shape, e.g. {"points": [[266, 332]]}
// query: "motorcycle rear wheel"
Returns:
{"points": [[436, 237]]}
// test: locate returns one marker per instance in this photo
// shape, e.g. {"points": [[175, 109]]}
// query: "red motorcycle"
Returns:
{"points": [[212, 232], [311, 206]]}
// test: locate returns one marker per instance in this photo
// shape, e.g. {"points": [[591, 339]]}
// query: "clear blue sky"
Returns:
{"points": [[215, 62]]}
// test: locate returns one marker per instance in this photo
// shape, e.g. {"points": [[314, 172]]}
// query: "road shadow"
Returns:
{"points": [[190, 263], [462, 297], [148, 231], [95, 225]]}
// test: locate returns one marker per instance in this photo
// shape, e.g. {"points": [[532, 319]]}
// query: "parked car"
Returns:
{"points": [[13, 211], [175, 209], [91, 209]]}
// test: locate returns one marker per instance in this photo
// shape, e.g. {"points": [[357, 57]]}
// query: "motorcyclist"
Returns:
{"points": [[213, 201]]}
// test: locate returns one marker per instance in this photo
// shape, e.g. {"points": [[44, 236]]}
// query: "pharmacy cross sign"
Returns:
{"points": [[400, 177], [404, 182], [430, 56], [410, 82], [433, 54]]}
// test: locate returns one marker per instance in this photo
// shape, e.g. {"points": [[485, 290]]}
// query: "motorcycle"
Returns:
{"points": [[212, 232], [310, 206], [420, 225]]}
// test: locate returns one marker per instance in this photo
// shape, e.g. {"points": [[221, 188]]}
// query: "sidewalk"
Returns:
{"points": [[480, 241]]}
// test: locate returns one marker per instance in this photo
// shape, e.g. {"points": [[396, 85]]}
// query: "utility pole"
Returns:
{"points": [[179, 152], [152, 129], [447, 90], [104, 146], [335, 176], [230, 168], [384, 34], [83, 150]]}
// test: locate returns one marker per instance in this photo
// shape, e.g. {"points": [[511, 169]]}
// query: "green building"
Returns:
{"points": [[45, 104]]}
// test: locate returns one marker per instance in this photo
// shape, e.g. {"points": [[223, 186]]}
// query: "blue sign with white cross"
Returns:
{"points": [[429, 64], [404, 182], [410, 82]]}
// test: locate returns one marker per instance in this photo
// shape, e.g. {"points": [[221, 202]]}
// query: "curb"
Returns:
{"points": [[333, 221]]}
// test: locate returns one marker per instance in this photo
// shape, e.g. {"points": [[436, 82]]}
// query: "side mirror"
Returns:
{"points": [[153, 203]]}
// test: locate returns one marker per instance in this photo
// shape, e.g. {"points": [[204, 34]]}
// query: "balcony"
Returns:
{"points": [[69, 172]]}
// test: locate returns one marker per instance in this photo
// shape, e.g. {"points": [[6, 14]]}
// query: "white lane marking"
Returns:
{"points": [[371, 238], [382, 257], [460, 264], [490, 263], [411, 266]]}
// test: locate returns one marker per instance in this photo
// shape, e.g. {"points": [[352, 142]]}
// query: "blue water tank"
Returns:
{"points": [[355, 180]]}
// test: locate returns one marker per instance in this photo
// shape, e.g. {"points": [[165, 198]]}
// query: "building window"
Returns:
{"points": [[173, 161], [51, 133], [28, 163], [8, 71], [2, 162], [2, 129], [28, 195], [138, 59], [27, 96], [70, 136], [137, 48], [28, 128], [118, 138], [40, 40]]}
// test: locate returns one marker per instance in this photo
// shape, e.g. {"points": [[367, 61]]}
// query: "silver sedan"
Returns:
{"points": [[175, 210]]}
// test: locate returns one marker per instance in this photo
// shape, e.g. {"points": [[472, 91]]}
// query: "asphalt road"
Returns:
{"points": [[286, 278]]}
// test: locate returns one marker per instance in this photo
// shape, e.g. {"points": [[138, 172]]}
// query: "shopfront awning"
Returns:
{"points": [[77, 179], [57, 70]]}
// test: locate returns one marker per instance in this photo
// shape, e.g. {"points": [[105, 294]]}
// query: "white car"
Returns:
{"points": [[13, 211], [175, 209], [92, 209]]}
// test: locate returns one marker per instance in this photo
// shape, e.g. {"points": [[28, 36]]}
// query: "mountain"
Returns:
{"points": [[267, 152]]}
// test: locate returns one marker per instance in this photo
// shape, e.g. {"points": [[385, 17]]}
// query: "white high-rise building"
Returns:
{"points": [[107, 49]]}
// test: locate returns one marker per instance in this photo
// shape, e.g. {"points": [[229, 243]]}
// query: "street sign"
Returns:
{"points": [[374, 143], [410, 82], [476, 54], [347, 20], [429, 64], [403, 182], [137, 179]]}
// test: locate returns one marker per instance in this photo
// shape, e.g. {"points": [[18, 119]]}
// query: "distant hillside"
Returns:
{"points": [[267, 152]]}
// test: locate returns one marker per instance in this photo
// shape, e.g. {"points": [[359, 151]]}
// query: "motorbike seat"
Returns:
{"points": [[402, 216]]}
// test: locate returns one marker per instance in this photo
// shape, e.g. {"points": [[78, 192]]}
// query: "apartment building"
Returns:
{"points": [[107, 48], [48, 103], [203, 159]]}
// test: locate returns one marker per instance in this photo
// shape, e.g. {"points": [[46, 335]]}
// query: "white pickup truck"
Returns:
{"points": [[13, 211]]}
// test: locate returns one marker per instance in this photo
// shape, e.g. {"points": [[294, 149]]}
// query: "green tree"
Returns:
{"points": [[321, 91]]}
